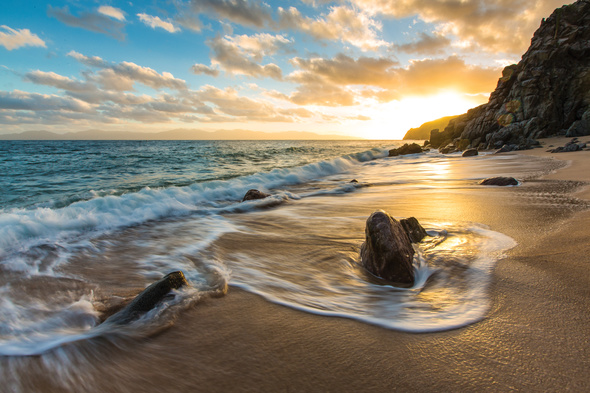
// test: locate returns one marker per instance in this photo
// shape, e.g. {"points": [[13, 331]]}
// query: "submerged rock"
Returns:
{"points": [[387, 251], [254, 194], [499, 181], [406, 149], [149, 298], [413, 229]]}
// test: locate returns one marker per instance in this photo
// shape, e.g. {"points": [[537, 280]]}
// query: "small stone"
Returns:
{"points": [[499, 181]]}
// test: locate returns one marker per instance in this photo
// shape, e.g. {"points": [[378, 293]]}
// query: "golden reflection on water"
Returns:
{"points": [[438, 170]]}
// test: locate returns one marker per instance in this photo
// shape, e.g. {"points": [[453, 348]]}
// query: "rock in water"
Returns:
{"points": [[470, 153], [254, 194], [499, 181], [149, 298], [387, 251], [413, 229], [406, 149]]}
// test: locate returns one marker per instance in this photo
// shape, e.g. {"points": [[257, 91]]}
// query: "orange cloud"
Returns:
{"points": [[495, 25], [331, 82]]}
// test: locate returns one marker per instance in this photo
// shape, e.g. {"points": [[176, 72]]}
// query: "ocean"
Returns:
{"points": [[85, 225]]}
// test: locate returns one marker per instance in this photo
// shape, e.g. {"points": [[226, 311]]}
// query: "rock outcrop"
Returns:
{"points": [[547, 93], [573, 145], [407, 148], [254, 194], [387, 251], [149, 298]]}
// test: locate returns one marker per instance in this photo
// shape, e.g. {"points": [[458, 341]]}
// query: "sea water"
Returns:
{"points": [[88, 224]]}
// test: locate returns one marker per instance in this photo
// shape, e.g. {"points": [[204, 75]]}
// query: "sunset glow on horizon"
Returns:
{"points": [[365, 68]]}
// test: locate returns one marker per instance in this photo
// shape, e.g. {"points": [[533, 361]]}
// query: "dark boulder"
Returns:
{"points": [[413, 229], [499, 181], [387, 251], [469, 153], [406, 149], [149, 298], [254, 194]]}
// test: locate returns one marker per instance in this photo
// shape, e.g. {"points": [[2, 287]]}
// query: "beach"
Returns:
{"points": [[533, 338]]}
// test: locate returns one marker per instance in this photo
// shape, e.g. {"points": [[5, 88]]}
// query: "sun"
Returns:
{"points": [[394, 119]]}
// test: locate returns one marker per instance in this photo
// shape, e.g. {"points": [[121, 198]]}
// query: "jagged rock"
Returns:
{"points": [[149, 298], [545, 94], [499, 181], [413, 229], [469, 153], [406, 149], [573, 145], [387, 251], [254, 194], [506, 149]]}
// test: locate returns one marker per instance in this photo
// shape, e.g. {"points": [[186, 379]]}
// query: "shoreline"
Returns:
{"points": [[533, 338]]}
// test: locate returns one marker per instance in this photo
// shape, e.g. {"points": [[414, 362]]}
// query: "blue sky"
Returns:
{"points": [[370, 68]]}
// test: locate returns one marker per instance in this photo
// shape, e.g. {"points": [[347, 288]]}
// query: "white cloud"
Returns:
{"points": [[342, 23], [113, 12], [121, 76], [13, 39], [240, 55], [52, 79], [155, 21]]}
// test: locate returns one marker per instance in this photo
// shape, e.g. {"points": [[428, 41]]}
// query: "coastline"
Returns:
{"points": [[533, 338]]}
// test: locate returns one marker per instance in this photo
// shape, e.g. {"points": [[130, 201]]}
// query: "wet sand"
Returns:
{"points": [[535, 337]]}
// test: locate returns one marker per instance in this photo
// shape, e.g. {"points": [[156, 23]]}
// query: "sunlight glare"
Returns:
{"points": [[394, 119]]}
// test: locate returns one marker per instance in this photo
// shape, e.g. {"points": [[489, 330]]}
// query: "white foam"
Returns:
{"points": [[440, 298], [21, 229]]}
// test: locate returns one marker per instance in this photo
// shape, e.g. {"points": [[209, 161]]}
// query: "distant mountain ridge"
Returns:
{"points": [[178, 134]]}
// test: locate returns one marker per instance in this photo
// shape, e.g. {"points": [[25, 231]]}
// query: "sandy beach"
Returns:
{"points": [[533, 339]]}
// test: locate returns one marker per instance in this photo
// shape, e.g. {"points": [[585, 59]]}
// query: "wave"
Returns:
{"points": [[33, 327], [22, 229]]}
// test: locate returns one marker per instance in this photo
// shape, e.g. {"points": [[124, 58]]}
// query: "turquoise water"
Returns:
{"points": [[58, 173]]}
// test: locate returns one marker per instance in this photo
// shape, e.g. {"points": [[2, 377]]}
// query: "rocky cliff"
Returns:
{"points": [[546, 93]]}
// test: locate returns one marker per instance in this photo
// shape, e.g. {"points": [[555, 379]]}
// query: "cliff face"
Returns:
{"points": [[546, 93]]}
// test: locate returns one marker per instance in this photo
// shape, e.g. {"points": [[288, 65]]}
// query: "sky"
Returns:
{"points": [[366, 68]]}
